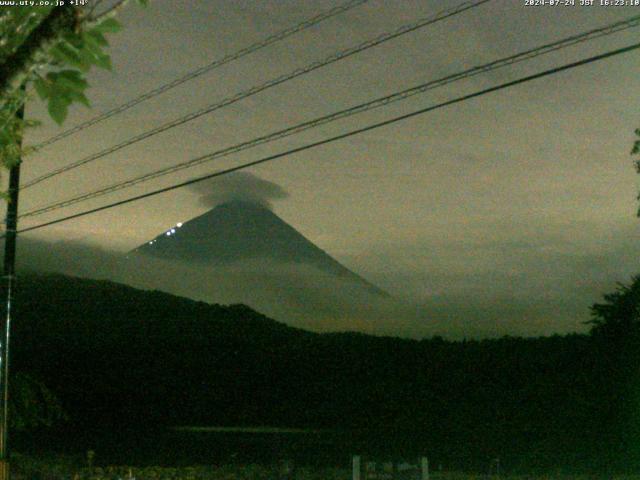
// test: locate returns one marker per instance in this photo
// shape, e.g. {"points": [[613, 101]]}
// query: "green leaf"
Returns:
{"points": [[92, 44], [97, 37], [99, 59], [79, 97], [68, 54], [103, 61], [74, 40], [88, 57], [143, 3], [42, 87], [73, 75], [69, 86], [71, 80], [58, 108], [110, 25], [5, 136]]}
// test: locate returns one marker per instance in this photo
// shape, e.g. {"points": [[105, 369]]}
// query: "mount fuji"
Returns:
{"points": [[238, 232]]}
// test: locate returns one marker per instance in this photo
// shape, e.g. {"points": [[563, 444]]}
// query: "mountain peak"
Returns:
{"points": [[242, 231]]}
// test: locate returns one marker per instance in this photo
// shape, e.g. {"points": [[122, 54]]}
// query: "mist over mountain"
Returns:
{"points": [[240, 251], [300, 295]]}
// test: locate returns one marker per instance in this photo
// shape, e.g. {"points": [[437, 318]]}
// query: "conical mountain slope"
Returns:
{"points": [[240, 231]]}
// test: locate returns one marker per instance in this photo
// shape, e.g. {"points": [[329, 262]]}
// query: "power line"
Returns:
{"points": [[309, 146], [379, 102], [205, 69], [260, 88]]}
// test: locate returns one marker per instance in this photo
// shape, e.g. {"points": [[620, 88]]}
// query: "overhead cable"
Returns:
{"points": [[363, 107], [350, 133]]}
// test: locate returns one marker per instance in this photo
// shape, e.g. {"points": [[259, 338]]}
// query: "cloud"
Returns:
{"points": [[296, 294], [239, 186], [518, 285], [473, 288]]}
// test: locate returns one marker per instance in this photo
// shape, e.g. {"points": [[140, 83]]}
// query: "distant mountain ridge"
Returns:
{"points": [[122, 357], [240, 231]]}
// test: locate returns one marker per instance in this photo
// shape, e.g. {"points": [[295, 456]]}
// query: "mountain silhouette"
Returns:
{"points": [[126, 363], [240, 231]]}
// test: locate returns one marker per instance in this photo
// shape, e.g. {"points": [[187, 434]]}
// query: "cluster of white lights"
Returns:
{"points": [[173, 230], [168, 233]]}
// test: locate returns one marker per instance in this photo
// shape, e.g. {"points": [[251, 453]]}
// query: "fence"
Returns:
{"points": [[365, 468]]}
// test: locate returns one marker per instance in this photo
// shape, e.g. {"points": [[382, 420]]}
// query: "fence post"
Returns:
{"points": [[424, 468], [356, 467]]}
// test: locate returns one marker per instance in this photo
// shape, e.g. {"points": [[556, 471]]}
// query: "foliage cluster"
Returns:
{"points": [[32, 404], [51, 47]]}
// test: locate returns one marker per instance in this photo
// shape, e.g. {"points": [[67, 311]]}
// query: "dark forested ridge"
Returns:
{"points": [[117, 356]]}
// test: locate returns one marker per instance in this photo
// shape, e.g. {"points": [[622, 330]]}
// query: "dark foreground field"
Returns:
{"points": [[126, 366], [24, 468]]}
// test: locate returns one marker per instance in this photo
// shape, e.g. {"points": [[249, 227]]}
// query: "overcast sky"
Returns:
{"points": [[516, 209]]}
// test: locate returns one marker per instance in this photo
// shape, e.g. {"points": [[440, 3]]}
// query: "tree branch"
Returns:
{"points": [[93, 8], [17, 67], [110, 12]]}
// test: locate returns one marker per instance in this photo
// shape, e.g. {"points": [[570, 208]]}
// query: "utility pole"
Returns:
{"points": [[8, 281]]}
